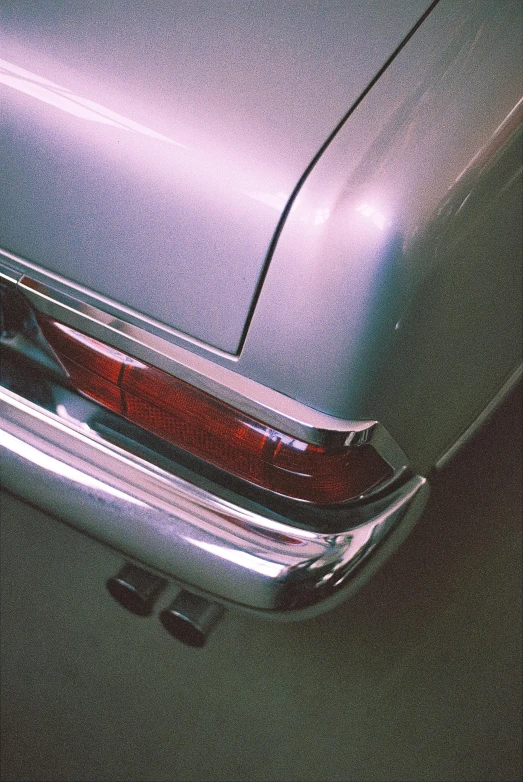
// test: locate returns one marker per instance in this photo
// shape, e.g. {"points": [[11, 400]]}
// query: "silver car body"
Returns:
{"points": [[312, 211]]}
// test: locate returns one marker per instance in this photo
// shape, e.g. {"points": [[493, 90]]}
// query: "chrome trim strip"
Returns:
{"points": [[217, 548], [263, 403], [82, 296], [482, 418], [8, 274]]}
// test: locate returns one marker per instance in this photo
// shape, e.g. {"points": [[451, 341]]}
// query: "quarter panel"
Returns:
{"points": [[386, 296]]}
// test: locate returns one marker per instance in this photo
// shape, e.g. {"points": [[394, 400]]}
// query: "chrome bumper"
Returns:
{"points": [[227, 551]]}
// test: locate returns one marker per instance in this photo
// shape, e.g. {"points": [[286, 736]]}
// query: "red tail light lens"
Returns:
{"points": [[211, 429]]}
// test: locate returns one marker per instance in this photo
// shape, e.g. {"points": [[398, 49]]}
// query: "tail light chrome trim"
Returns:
{"points": [[223, 546], [225, 550], [70, 304], [212, 430]]}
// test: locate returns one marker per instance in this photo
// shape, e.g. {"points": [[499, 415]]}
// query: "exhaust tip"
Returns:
{"points": [[190, 618], [135, 589]]}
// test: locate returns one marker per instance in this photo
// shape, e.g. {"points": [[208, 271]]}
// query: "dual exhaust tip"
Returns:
{"points": [[189, 618]]}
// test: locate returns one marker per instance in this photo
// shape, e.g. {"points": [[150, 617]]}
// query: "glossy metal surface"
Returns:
{"points": [[384, 298], [393, 292], [233, 551], [190, 618], [136, 589], [395, 286], [151, 149], [57, 299]]}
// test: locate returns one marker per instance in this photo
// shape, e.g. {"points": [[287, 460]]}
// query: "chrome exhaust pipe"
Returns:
{"points": [[136, 589], [190, 618]]}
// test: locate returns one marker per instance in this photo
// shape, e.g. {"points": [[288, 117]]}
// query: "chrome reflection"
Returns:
{"points": [[190, 618], [242, 558], [263, 403], [184, 530], [64, 99], [375, 215], [276, 201], [50, 464], [321, 215]]}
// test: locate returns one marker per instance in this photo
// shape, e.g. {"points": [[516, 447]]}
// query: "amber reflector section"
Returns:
{"points": [[210, 429]]}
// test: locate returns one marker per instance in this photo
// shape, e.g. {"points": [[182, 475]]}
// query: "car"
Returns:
{"points": [[261, 278]]}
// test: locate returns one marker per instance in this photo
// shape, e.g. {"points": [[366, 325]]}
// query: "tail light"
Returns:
{"points": [[211, 429]]}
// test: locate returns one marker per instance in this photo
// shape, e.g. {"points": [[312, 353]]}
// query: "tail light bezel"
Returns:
{"points": [[154, 343], [229, 439]]}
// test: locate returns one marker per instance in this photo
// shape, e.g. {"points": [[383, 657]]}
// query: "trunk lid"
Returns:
{"points": [[150, 148]]}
